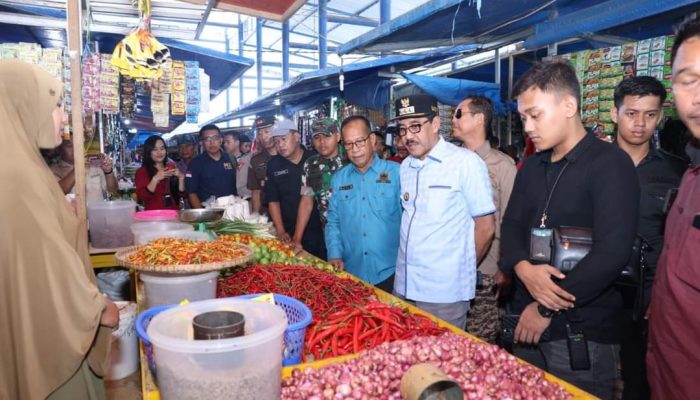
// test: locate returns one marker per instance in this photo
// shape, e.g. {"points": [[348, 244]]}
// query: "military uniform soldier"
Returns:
{"points": [[257, 172], [317, 173]]}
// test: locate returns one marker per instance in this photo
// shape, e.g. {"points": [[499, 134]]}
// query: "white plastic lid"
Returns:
{"points": [[111, 205], [172, 329]]}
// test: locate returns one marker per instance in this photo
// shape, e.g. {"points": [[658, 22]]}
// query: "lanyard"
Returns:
{"points": [[543, 220]]}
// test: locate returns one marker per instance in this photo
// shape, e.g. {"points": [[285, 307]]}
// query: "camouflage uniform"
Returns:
{"points": [[484, 319], [316, 179]]}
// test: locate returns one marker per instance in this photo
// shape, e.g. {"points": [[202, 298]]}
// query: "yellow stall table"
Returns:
{"points": [[150, 390]]}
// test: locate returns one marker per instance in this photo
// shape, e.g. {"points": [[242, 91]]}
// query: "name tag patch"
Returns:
{"points": [[281, 172], [346, 187], [228, 165]]}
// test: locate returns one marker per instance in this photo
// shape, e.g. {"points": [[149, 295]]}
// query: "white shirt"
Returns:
{"points": [[441, 195]]}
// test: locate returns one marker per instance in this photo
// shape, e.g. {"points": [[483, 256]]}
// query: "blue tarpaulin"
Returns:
{"points": [[452, 91], [362, 85]]}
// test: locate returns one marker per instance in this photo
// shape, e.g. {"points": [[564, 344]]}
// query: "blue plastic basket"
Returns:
{"points": [[142, 322], [298, 318]]}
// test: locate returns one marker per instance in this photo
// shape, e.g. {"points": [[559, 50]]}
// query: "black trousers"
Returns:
{"points": [[387, 284], [633, 353]]}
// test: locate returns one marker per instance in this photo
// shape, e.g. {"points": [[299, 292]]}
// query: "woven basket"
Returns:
{"points": [[123, 254]]}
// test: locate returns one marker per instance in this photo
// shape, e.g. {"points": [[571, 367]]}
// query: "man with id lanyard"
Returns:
{"points": [[567, 324]]}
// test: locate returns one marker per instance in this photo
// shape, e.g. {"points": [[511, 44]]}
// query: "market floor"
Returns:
{"points": [[128, 388]]}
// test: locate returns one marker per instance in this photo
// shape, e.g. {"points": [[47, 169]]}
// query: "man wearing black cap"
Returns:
{"points": [[447, 223], [283, 189], [257, 172], [187, 150]]}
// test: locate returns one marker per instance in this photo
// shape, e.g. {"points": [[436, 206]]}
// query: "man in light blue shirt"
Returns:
{"points": [[364, 213], [448, 219]]}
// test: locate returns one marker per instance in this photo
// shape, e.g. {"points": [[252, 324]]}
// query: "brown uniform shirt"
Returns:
{"points": [[502, 175], [257, 173]]}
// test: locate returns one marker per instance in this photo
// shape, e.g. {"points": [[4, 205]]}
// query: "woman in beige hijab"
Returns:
{"points": [[54, 324]]}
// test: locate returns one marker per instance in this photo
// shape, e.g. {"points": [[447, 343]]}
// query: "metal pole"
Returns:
{"points": [[322, 32], [285, 51], [497, 59], [510, 96], [258, 49], [228, 91], [74, 33], [553, 48], [241, 88], [384, 11], [100, 131]]}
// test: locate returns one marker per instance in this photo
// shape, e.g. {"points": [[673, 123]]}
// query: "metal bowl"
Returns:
{"points": [[197, 215]]}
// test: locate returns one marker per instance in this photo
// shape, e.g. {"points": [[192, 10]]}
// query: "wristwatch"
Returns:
{"points": [[545, 312]]}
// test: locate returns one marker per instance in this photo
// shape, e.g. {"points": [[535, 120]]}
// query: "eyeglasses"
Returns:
{"points": [[414, 128], [459, 112], [210, 139], [357, 143]]}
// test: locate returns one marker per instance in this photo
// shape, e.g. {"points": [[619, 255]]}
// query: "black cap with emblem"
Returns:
{"points": [[264, 120], [416, 106]]}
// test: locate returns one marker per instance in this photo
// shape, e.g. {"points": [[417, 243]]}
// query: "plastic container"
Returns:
{"points": [[109, 223], [161, 289], [214, 325], [298, 318], [160, 226], [124, 356], [246, 367], [143, 238], [156, 215]]}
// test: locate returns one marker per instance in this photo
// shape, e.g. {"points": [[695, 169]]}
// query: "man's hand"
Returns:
{"points": [[538, 281], [531, 325], [284, 236], [502, 282], [297, 245], [110, 315], [338, 263], [107, 164]]}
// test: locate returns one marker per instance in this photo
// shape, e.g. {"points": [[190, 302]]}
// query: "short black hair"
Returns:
{"points": [[550, 76], [482, 105], [211, 127], [231, 133], [354, 118], [639, 86], [688, 29]]}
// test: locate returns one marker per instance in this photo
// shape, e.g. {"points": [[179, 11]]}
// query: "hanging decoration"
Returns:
{"points": [[128, 97], [140, 55]]}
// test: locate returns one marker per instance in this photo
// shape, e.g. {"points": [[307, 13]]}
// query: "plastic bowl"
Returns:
{"points": [[162, 289]]}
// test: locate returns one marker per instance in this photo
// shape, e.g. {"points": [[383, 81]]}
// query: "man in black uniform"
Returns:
{"points": [[257, 172], [283, 189], [575, 180], [637, 113]]}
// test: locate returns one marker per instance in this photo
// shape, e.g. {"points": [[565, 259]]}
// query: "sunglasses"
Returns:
{"points": [[459, 112]]}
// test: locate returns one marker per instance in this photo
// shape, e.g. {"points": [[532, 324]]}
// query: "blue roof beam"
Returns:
{"points": [[310, 46], [353, 20], [599, 17], [291, 65]]}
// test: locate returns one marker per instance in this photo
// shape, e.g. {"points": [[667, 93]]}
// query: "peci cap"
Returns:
{"points": [[416, 105], [325, 126], [281, 128], [264, 120], [186, 139]]}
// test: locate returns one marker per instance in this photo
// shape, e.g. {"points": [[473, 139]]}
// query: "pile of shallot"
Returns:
{"points": [[483, 371]]}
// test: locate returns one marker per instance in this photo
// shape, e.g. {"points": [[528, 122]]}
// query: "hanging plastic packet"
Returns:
{"points": [[192, 91], [109, 86], [178, 88]]}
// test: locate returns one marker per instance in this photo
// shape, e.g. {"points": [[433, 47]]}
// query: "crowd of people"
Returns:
{"points": [[458, 231]]}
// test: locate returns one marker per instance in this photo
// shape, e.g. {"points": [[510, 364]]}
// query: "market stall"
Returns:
{"points": [[349, 323]]}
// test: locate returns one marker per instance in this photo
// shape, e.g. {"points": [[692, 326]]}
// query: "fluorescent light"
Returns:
{"points": [[133, 130], [127, 121]]}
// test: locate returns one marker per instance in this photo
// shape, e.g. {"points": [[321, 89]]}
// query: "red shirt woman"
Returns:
{"points": [[159, 183]]}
